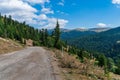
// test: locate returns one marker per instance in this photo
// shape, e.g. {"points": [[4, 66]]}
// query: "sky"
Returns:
{"points": [[70, 13]]}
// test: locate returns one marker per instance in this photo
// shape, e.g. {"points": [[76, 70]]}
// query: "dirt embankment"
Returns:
{"points": [[7, 45]]}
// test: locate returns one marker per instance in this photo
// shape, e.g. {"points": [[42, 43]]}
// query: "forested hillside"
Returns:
{"points": [[104, 42], [19, 31], [15, 30], [107, 43], [71, 35], [77, 33]]}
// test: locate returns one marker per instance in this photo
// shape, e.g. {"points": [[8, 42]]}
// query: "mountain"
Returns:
{"points": [[99, 29], [73, 34], [107, 42], [67, 34], [81, 29]]}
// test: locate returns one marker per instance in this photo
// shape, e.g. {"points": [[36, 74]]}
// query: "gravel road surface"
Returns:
{"points": [[32, 63]]}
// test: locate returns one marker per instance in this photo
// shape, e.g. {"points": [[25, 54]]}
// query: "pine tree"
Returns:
{"points": [[10, 20], [46, 37], [57, 35], [0, 16], [43, 37]]}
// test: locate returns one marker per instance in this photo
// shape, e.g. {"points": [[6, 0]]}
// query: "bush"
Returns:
{"points": [[36, 43], [117, 71], [50, 42]]}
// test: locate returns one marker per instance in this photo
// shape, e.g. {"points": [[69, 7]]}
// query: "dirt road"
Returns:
{"points": [[32, 63]]}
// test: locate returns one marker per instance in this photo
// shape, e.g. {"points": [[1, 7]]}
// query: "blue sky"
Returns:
{"points": [[70, 13]]}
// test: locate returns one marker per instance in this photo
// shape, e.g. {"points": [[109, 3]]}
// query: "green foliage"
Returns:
{"points": [[104, 42], [56, 34], [21, 31], [83, 54], [18, 31], [36, 43], [117, 71], [50, 42], [102, 61], [110, 65], [74, 34], [15, 30]]}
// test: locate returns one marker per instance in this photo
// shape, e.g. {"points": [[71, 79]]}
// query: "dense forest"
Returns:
{"points": [[107, 43], [17, 31]]}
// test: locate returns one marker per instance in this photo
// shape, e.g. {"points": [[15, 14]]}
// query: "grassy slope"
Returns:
{"points": [[8, 45], [73, 69]]}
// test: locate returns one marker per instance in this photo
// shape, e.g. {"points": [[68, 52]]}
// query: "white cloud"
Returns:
{"points": [[63, 22], [62, 13], [37, 1], [101, 25], [47, 22], [23, 10], [61, 3], [52, 23], [15, 5], [116, 1], [18, 9], [47, 10], [42, 17]]}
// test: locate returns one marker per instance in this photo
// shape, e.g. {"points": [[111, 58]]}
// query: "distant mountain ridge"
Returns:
{"points": [[67, 34], [87, 29], [100, 29], [83, 29], [73, 34]]}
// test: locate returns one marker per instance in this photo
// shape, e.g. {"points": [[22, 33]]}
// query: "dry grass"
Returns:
{"points": [[66, 60], [73, 69], [7, 45]]}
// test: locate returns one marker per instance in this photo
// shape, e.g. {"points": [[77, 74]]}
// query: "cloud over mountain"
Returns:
{"points": [[102, 25]]}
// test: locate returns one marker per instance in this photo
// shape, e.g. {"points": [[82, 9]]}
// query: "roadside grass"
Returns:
{"points": [[8, 45], [73, 69]]}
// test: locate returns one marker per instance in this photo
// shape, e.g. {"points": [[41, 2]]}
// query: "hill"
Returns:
{"points": [[99, 29], [15, 30], [105, 42], [20, 31], [72, 34]]}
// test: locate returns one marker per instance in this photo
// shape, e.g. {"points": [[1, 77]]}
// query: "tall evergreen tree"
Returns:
{"points": [[57, 34], [43, 37], [46, 37], [0, 16]]}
